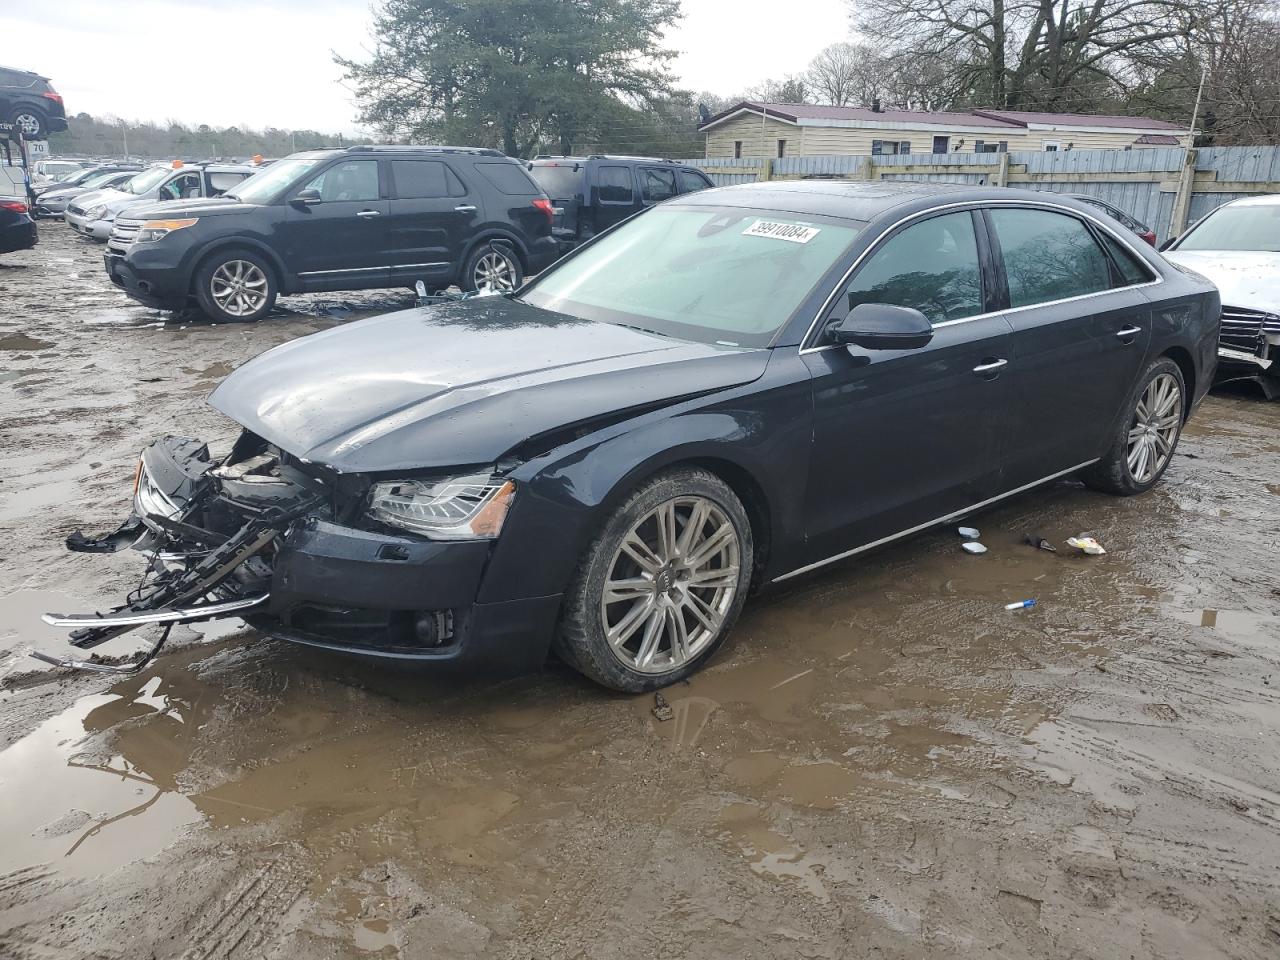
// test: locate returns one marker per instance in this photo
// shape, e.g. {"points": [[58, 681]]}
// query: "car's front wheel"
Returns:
{"points": [[492, 266], [31, 122], [235, 286], [1143, 446], [659, 589]]}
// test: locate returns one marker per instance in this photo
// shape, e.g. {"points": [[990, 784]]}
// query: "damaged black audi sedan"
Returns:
{"points": [[728, 390]]}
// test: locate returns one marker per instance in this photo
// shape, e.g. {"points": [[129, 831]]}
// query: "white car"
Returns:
{"points": [[95, 216], [1237, 246]]}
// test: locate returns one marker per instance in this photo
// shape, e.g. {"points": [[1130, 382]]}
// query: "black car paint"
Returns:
{"points": [[22, 91], [328, 246], [18, 230], [833, 449]]}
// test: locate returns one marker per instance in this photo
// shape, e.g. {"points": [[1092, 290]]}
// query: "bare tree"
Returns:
{"points": [[839, 74]]}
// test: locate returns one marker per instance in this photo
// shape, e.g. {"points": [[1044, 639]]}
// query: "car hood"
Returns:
{"points": [[461, 384], [1246, 279], [195, 207]]}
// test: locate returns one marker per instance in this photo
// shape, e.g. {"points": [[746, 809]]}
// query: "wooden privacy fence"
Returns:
{"points": [[1166, 188]]}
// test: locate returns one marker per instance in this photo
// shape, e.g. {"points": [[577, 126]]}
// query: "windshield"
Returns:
{"points": [[81, 176], [712, 274], [147, 179], [60, 171], [1246, 227], [265, 185], [559, 182], [96, 180]]}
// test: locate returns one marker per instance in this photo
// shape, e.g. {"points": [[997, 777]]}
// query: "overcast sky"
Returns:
{"points": [[264, 63]]}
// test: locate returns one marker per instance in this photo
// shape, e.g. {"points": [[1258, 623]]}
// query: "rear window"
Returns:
{"points": [[509, 178], [559, 182]]}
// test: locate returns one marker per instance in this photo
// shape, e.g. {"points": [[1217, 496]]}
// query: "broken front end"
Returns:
{"points": [[309, 555]]}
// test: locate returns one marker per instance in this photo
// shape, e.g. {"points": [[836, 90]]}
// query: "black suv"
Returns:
{"points": [[363, 217], [591, 194], [29, 102]]}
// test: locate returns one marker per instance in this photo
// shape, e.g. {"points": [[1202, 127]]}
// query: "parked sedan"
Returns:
{"points": [[17, 226], [53, 202], [1237, 246], [1132, 224], [730, 390]]}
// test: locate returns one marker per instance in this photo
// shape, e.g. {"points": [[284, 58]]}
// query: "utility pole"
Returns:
{"points": [[1187, 177]]}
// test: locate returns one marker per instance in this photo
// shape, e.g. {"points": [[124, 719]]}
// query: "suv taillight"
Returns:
{"points": [[50, 95], [15, 206], [543, 204]]}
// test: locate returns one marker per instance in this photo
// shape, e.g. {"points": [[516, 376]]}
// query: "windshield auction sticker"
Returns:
{"points": [[791, 232]]}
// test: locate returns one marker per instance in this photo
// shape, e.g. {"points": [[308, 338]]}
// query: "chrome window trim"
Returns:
{"points": [[976, 205], [932, 523], [410, 266]]}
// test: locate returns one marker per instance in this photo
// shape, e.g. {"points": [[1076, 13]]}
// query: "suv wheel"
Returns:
{"points": [[31, 122], [661, 586], [492, 266], [235, 286]]}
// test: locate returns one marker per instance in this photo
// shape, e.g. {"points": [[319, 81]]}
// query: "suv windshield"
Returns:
{"points": [[265, 185], [712, 274], [558, 181], [1246, 227], [148, 179]]}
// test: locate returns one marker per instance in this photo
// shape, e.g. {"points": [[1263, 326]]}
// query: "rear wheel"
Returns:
{"points": [[492, 266], [657, 592], [31, 122], [1143, 446], [235, 286]]}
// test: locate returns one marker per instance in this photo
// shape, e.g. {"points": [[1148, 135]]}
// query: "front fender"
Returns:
{"points": [[758, 435]]}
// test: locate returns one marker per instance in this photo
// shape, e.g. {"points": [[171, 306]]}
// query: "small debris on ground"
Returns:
{"points": [[969, 533], [661, 709], [1040, 543], [973, 546], [1020, 605], [1087, 544]]}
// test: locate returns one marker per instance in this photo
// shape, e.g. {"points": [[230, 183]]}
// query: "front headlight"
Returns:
{"points": [[457, 508], [153, 230], [95, 213]]}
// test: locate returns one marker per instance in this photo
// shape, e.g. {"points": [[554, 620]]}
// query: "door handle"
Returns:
{"points": [[990, 367], [369, 213], [466, 208], [1128, 333]]}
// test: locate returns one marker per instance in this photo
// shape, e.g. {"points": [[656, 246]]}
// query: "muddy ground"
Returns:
{"points": [[881, 762]]}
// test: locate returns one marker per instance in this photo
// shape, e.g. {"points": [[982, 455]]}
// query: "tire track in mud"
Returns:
{"points": [[248, 914]]}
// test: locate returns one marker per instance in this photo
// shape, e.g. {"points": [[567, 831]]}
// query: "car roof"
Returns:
{"points": [[860, 199], [1265, 200]]}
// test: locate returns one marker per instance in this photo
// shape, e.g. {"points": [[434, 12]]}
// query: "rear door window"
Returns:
{"points": [[509, 178], [558, 181], [1048, 256], [658, 184], [421, 179], [615, 184], [1129, 268], [931, 265], [220, 183], [691, 182]]}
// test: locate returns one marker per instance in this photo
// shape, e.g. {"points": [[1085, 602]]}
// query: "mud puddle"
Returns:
{"points": [[881, 756]]}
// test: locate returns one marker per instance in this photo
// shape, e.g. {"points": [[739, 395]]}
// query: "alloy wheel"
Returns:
{"points": [[670, 584], [495, 271], [239, 287], [28, 123], [1155, 428]]}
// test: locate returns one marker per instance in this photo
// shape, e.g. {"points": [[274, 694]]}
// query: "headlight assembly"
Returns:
{"points": [[456, 508], [95, 213], [153, 230]]}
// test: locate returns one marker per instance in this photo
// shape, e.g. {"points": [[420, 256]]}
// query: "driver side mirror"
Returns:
{"points": [[306, 198], [881, 326]]}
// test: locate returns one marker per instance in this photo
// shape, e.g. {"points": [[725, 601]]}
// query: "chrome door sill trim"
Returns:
{"points": [[932, 523]]}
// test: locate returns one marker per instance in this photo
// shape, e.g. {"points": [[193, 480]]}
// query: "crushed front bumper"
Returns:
{"points": [[274, 545]]}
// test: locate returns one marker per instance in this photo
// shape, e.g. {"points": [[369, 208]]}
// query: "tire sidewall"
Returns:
{"points": [[205, 272], [468, 283], [43, 125], [1160, 366], [593, 655]]}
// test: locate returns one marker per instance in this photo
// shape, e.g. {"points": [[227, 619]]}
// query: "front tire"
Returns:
{"points": [[235, 286], [31, 122], [659, 589], [1143, 446]]}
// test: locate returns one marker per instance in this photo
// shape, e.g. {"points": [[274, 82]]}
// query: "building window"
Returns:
{"points": [[986, 146], [737, 149], [782, 149], [1051, 146], [889, 147], [941, 144]]}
